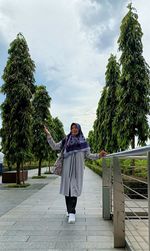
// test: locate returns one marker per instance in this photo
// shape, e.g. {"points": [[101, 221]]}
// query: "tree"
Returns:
{"points": [[51, 153], [99, 124], [104, 136], [5, 131], [58, 129], [41, 113], [133, 105], [91, 140], [18, 88], [112, 83]]}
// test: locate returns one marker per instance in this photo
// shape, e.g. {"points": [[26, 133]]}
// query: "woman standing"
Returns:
{"points": [[76, 149]]}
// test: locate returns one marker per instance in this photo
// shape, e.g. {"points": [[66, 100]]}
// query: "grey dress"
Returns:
{"points": [[73, 169]]}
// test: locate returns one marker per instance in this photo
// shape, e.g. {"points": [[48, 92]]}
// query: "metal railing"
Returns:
{"points": [[126, 205]]}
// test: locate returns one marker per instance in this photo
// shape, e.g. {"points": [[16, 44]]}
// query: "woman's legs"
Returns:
{"points": [[71, 204]]}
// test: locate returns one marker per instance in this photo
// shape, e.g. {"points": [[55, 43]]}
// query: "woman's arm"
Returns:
{"points": [[52, 143], [94, 156]]}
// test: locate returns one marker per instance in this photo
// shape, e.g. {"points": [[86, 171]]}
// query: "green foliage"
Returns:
{"points": [[140, 169], [41, 116], [133, 108], [18, 185], [20, 67], [97, 169], [112, 83], [50, 125], [99, 124], [90, 140], [58, 130], [104, 137], [95, 165], [18, 88], [124, 104], [41, 113]]}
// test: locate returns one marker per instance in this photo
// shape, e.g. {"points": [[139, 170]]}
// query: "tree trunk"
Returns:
{"points": [[22, 172], [39, 170], [18, 173], [133, 142], [133, 160]]}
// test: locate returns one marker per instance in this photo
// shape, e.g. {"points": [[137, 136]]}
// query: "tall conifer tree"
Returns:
{"points": [[40, 116], [133, 106], [58, 129], [91, 140], [18, 88], [99, 124], [112, 84]]}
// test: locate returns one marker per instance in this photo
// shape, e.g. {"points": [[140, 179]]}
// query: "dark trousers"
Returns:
{"points": [[71, 204]]}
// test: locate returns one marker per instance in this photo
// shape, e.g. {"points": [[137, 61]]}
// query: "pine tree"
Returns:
{"points": [[51, 153], [16, 110], [99, 124], [91, 140], [133, 106], [112, 83], [40, 116], [58, 129]]}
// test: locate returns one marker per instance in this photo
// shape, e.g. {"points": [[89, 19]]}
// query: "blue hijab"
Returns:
{"points": [[76, 143]]}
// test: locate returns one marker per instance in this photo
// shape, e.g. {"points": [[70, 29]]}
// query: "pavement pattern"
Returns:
{"points": [[34, 218]]}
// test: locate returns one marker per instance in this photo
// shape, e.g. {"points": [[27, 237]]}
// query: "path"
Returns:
{"points": [[39, 222]]}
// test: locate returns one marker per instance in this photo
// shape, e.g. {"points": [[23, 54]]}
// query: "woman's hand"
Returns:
{"points": [[102, 154], [46, 131]]}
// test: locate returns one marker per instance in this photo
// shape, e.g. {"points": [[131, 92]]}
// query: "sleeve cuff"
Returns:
{"points": [[49, 136]]}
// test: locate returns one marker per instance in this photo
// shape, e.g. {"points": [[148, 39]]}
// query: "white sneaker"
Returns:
{"points": [[71, 218], [67, 215]]}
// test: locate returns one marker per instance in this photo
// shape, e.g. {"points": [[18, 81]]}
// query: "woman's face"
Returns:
{"points": [[74, 130]]}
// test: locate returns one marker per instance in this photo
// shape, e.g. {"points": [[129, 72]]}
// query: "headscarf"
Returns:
{"points": [[75, 143]]}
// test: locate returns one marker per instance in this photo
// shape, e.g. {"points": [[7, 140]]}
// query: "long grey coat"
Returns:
{"points": [[73, 169]]}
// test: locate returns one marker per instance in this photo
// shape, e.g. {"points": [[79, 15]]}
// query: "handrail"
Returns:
{"points": [[132, 152], [113, 192], [130, 177]]}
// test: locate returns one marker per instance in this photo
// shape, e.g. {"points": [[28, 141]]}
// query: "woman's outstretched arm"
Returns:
{"points": [[94, 156], [52, 143]]}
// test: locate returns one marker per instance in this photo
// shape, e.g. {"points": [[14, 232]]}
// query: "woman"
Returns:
{"points": [[76, 149]]}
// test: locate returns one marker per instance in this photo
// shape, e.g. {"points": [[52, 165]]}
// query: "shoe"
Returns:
{"points": [[67, 215], [71, 218]]}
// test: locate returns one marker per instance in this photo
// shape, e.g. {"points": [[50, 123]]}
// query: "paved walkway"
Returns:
{"points": [[11, 197], [39, 222]]}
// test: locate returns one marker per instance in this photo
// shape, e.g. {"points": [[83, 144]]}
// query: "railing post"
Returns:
{"points": [[106, 191], [148, 165], [118, 205]]}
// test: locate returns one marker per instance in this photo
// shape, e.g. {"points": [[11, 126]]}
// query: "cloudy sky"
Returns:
{"points": [[70, 42]]}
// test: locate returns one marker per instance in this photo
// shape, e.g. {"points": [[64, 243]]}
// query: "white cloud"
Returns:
{"points": [[70, 41], [100, 20]]}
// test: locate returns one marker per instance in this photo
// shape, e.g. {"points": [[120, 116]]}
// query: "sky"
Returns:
{"points": [[70, 42]]}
